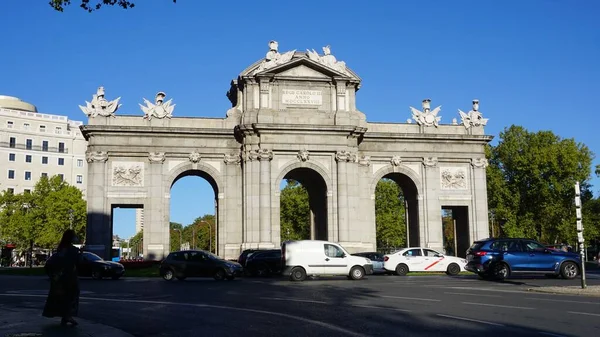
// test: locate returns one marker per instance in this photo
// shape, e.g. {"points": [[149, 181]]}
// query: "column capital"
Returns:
{"points": [[156, 157], [479, 163], [232, 158], [265, 155], [98, 156], [345, 156], [430, 162]]}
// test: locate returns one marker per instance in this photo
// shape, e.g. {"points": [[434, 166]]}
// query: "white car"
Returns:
{"points": [[422, 259]]}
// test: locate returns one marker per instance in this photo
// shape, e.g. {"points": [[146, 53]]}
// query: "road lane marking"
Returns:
{"points": [[201, 305], [383, 308], [471, 294], [412, 298], [291, 300], [497, 305], [583, 313], [551, 334], [470, 320], [565, 301]]}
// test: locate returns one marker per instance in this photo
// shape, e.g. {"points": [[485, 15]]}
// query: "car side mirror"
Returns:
{"points": [[438, 255]]}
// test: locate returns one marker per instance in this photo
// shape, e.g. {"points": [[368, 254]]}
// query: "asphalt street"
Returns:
{"points": [[376, 306]]}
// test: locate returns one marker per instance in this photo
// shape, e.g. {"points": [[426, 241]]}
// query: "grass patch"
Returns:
{"points": [[142, 272]]}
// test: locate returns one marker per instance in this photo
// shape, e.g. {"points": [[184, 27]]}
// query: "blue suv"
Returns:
{"points": [[497, 258]]}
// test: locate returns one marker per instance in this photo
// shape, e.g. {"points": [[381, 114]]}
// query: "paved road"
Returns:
{"points": [[377, 306]]}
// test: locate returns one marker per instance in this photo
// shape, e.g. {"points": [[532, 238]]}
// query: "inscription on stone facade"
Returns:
{"points": [[301, 97], [453, 178], [127, 174]]}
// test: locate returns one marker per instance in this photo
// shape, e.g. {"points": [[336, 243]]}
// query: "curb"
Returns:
{"points": [[30, 323], [590, 291]]}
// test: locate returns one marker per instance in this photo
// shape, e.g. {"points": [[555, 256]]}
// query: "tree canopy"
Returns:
{"points": [[41, 216], [531, 181], [390, 220], [92, 5], [295, 212]]}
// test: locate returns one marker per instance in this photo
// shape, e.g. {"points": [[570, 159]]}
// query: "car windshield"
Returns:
{"points": [[91, 257]]}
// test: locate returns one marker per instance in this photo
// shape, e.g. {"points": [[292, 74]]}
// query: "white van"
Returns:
{"points": [[316, 257]]}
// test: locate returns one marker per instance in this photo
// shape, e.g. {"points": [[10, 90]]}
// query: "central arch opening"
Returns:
{"points": [[193, 212], [303, 206]]}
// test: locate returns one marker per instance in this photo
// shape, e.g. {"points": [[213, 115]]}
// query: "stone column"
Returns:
{"points": [[156, 238], [265, 156], [98, 238], [433, 209], [253, 216], [342, 158], [480, 227]]}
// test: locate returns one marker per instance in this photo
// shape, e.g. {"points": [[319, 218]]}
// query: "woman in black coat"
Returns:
{"points": [[63, 297]]}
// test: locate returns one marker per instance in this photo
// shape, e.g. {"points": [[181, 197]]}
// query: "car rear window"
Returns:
{"points": [[477, 245]]}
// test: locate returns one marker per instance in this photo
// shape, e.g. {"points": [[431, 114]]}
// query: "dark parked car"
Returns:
{"points": [[498, 258], [198, 263], [93, 265], [264, 263]]}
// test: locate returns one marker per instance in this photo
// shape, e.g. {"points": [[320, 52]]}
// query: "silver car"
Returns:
{"points": [[376, 259]]}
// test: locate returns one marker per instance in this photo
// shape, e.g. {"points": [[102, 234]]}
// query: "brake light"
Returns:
{"points": [[385, 258], [480, 253]]}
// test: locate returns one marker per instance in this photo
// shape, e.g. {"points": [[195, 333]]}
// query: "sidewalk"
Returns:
{"points": [[30, 323], [570, 290]]}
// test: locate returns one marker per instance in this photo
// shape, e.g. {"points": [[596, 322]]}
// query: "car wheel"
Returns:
{"points": [[298, 274], [97, 275], [453, 269], [500, 271], [569, 270], [401, 269], [356, 273], [219, 275], [181, 278], [168, 275]]}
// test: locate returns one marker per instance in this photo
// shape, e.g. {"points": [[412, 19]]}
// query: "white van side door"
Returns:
{"points": [[335, 260]]}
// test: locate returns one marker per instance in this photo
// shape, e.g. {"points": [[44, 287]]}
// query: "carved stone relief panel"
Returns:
{"points": [[127, 173], [453, 178]]}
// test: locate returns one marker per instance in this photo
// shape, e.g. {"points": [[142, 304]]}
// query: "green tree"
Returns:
{"points": [[390, 220], [531, 180], [295, 212], [92, 5], [203, 230], [137, 243], [174, 240]]}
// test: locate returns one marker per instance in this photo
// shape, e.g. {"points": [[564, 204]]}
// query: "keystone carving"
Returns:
{"points": [[195, 157], [303, 155], [396, 161]]}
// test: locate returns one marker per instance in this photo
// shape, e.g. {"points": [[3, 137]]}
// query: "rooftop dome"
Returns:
{"points": [[14, 103]]}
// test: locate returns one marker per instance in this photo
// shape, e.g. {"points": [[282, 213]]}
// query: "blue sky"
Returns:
{"points": [[530, 63]]}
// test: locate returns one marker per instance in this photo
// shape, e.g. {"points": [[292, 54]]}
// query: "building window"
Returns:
{"points": [[58, 130], [44, 160], [11, 157], [42, 128], [27, 175], [79, 179], [10, 190], [61, 161], [11, 174], [44, 174], [29, 144], [28, 158], [13, 142], [27, 191], [61, 176], [9, 124], [26, 126], [61, 147], [45, 145], [79, 162]]}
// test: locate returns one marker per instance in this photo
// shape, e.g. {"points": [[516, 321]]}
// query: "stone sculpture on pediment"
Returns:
{"points": [[100, 106], [303, 155], [453, 178], [159, 109], [396, 160], [232, 158], [127, 174], [430, 161], [195, 157], [274, 58], [327, 60], [479, 162], [156, 157], [426, 117], [99, 156], [473, 118]]}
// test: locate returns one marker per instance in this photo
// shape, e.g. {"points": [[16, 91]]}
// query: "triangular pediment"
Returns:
{"points": [[299, 66]]}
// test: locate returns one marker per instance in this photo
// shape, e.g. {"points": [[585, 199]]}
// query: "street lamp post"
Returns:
{"points": [[209, 235]]}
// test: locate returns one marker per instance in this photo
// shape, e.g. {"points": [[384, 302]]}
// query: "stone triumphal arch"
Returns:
{"points": [[294, 116]]}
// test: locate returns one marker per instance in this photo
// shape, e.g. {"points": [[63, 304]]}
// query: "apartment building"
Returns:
{"points": [[35, 144]]}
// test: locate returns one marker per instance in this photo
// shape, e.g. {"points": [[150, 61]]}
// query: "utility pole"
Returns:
{"points": [[580, 238]]}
